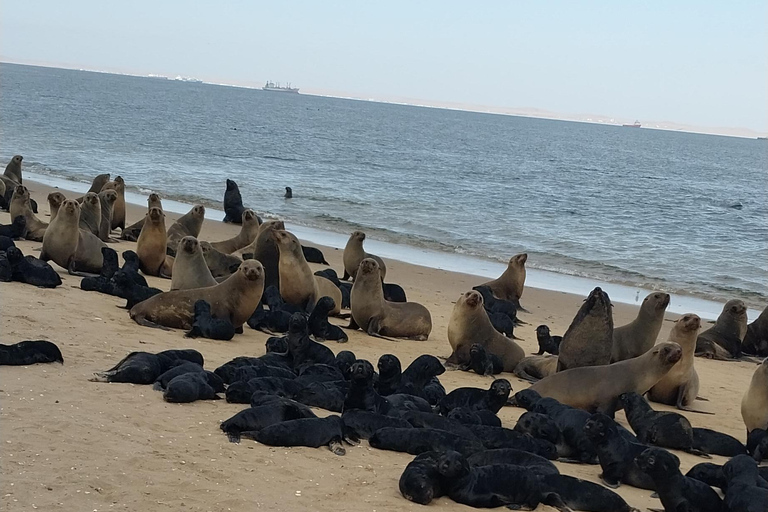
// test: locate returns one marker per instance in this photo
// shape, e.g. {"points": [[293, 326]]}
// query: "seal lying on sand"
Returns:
{"points": [[208, 327], [638, 336], [25, 353], [589, 339], [510, 285], [31, 270], [723, 340], [16, 229], [534, 368], [144, 367], [312, 432], [354, 254]]}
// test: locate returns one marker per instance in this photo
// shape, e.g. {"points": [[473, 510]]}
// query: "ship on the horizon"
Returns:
{"points": [[636, 124], [276, 87]]}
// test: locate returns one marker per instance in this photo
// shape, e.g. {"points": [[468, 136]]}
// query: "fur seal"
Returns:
{"points": [[483, 362], [288, 193], [20, 205], [264, 249], [13, 169], [16, 229], [31, 270], [54, 202], [98, 183], [492, 399], [221, 265], [314, 255], [25, 353], [535, 463], [151, 245], [275, 410], [421, 481], [132, 232], [107, 199], [190, 387], [589, 339], [319, 326], [208, 327], [145, 367], [354, 254], [234, 299], [233, 203], [365, 423], [534, 368], [189, 268], [680, 386], [188, 224], [127, 286], [247, 235], [90, 213], [717, 443], [68, 245], [297, 283], [312, 432], [744, 493], [723, 340], [547, 342], [469, 324], [118, 209], [597, 389], [378, 317], [419, 440], [754, 404], [756, 339], [638, 336], [510, 285]]}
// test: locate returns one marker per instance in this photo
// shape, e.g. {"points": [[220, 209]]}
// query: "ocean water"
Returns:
{"points": [[679, 212]]}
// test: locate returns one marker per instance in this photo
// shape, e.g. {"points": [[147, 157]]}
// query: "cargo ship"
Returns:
{"points": [[276, 87], [636, 124]]}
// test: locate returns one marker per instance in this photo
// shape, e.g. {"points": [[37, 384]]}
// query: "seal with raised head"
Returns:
{"points": [[723, 340], [547, 342], [98, 183], [744, 493], [20, 205], [221, 265], [288, 193], [638, 336], [107, 199], [54, 202], [589, 339], [133, 231], [298, 285], [510, 285], [380, 318], [234, 299], [68, 245], [469, 324], [597, 388], [264, 249], [247, 235], [492, 399], [754, 404], [756, 340], [233, 203], [680, 386], [118, 209], [189, 267], [16, 229], [188, 224], [354, 254], [90, 213], [13, 169], [151, 245]]}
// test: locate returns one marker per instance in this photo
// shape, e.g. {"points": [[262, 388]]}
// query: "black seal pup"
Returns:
{"points": [[145, 367], [304, 351], [717, 443], [492, 399], [179, 369], [421, 481], [419, 440], [320, 327], [233, 204], [125, 287], [361, 393], [500, 437], [547, 342], [474, 417], [390, 373], [313, 255], [744, 494], [366, 423], [103, 282], [16, 229], [190, 387], [482, 362], [312, 432], [419, 374], [757, 444], [393, 292], [275, 410], [676, 491], [207, 326], [30, 352], [531, 461], [31, 270], [578, 494], [756, 339]]}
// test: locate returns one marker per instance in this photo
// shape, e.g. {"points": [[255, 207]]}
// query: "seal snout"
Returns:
{"points": [[473, 299]]}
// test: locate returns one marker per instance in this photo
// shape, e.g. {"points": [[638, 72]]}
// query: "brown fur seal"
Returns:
{"points": [[132, 232], [188, 224], [754, 405], [723, 340], [469, 324], [96, 185], [589, 339], [189, 267], [264, 249], [107, 199], [510, 285], [118, 210], [90, 213], [235, 300], [247, 235], [298, 285], [756, 340], [379, 317], [680, 386], [354, 254], [638, 336], [537, 367], [54, 202], [13, 169], [151, 245], [20, 205], [220, 264], [68, 245], [597, 388]]}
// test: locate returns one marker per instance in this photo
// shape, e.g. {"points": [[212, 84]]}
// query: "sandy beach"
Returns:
{"points": [[71, 444]]}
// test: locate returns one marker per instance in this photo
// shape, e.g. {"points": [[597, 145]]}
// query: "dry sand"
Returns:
{"points": [[71, 444]]}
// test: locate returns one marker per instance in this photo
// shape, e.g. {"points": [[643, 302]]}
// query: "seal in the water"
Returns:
{"points": [[264, 249], [107, 200], [144, 367], [680, 386], [313, 255], [482, 362], [132, 232], [54, 202], [16, 229], [31, 270], [354, 254], [246, 236], [219, 264], [191, 387], [312, 432], [275, 410], [676, 491], [298, 285], [288, 193], [492, 399], [188, 224], [30, 352], [754, 404], [638, 336], [723, 340], [744, 493], [189, 268], [547, 342], [597, 388], [118, 209], [420, 375], [69, 246], [380, 318], [589, 339], [90, 213], [234, 300], [510, 285], [534, 368], [419, 440], [319, 326], [207, 326], [469, 324], [151, 245], [756, 340], [21, 205], [233, 203]]}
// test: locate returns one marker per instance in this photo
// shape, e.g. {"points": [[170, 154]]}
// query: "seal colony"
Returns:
{"points": [[285, 386]]}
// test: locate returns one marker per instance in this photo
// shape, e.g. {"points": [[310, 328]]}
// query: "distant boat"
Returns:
{"points": [[636, 124], [276, 87]]}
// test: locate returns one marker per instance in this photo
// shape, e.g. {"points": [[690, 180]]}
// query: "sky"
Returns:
{"points": [[703, 63]]}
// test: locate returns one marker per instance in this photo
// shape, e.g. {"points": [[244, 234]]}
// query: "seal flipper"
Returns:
{"points": [[336, 447], [681, 393], [373, 330], [699, 453], [147, 323], [555, 501], [352, 324]]}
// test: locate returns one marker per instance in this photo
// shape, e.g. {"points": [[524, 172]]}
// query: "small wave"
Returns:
{"points": [[284, 159]]}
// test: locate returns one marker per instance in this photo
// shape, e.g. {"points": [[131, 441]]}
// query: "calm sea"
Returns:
{"points": [[679, 212]]}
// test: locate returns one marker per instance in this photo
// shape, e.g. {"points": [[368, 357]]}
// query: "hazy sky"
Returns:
{"points": [[697, 62]]}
